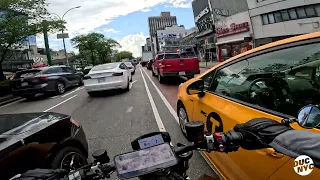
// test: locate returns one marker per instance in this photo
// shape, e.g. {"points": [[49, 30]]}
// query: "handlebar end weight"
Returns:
{"points": [[101, 156], [195, 131]]}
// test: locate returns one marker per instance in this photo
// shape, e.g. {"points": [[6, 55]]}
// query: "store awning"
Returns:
{"points": [[232, 40]]}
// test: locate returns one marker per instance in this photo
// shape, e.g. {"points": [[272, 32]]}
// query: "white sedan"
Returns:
{"points": [[108, 76]]}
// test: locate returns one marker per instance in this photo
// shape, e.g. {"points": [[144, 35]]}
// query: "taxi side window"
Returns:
{"points": [[282, 81], [207, 80]]}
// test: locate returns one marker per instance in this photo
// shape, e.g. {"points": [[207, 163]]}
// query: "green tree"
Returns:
{"points": [[96, 45], [124, 55], [20, 19]]}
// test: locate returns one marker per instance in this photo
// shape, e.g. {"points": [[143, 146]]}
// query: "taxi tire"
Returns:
{"points": [[180, 105]]}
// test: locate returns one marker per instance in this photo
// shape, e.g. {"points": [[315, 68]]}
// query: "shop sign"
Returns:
{"points": [[234, 29], [170, 36], [201, 14]]}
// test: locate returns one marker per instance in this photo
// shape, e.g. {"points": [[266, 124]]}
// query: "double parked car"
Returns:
{"points": [[44, 140], [45, 80]]}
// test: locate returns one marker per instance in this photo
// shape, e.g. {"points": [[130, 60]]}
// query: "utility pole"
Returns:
{"points": [[46, 41]]}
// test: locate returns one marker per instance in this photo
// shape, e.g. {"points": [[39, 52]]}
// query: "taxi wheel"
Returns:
{"points": [[183, 118]]}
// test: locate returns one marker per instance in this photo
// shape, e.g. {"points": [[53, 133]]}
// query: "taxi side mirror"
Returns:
{"points": [[196, 87]]}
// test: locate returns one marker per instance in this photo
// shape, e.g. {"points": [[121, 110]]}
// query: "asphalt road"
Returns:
{"points": [[113, 119]]}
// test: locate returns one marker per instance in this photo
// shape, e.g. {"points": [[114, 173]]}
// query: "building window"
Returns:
{"points": [[301, 13], [310, 11], [285, 15], [293, 14], [277, 16], [265, 19], [271, 18]]}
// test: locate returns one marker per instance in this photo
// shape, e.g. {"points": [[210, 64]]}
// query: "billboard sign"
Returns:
{"points": [[61, 36]]}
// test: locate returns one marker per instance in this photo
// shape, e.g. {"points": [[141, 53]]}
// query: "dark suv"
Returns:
{"points": [[30, 82]]}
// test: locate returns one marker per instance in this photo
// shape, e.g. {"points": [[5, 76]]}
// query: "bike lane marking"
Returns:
{"points": [[153, 105]]}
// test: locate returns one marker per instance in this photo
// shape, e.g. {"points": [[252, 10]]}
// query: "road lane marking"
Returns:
{"points": [[174, 114], [132, 84], [54, 97], [153, 106], [12, 103], [172, 111], [129, 110], [71, 92], [60, 103]]}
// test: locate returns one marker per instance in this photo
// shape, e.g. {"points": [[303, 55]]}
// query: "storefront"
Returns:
{"points": [[205, 37], [234, 35]]}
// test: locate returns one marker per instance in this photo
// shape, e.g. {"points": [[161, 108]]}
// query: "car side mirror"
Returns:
{"points": [[197, 87], [309, 116]]}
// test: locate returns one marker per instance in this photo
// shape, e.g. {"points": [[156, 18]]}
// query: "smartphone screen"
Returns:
{"points": [[137, 163]]}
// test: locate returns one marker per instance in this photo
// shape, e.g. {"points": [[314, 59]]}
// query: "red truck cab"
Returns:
{"points": [[172, 64]]}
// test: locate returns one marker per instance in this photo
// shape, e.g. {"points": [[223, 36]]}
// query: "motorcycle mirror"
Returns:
{"points": [[309, 116], [101, 156], [195, 131]]}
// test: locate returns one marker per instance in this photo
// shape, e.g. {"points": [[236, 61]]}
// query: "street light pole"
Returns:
{"points": [[62, 31]]}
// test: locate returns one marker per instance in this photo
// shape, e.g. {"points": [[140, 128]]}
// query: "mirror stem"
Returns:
{"points": [[201, 94]]}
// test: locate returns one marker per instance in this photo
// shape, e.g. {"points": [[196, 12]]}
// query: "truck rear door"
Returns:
{"points": [[175, 63]]}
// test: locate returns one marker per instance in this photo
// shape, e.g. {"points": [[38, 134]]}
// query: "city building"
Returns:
{"points": [[189, 38], [206, 12], [159, 23], [148, 44], [234, 35], [274, 20], [168, 39]]}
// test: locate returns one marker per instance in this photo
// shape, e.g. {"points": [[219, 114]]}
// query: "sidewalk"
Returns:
{"points": [[209, 64], [8, 99]]}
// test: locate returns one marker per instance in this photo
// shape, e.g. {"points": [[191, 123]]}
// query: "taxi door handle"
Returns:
{"points": [[273, 153]]}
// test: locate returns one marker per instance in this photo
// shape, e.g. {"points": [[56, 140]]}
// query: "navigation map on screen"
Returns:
{"points": [[146, 160]]}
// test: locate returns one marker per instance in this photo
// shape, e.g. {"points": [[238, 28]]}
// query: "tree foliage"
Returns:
{"points": [[124, 55], [95, 46], [20, 19]]}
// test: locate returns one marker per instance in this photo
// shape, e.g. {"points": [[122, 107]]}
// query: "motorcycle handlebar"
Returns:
{"points": [[221, 142]]}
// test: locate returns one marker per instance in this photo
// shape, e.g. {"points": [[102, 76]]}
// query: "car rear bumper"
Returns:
{"points": [[105, 86], [187, 73], [34, 90]]}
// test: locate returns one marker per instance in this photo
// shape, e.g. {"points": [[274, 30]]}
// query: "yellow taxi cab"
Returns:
{"points": [[273, 81]]}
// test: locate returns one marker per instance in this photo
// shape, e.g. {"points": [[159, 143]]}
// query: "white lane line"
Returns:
{"points": [[81, 87], [12, 103], [174, 114], [153, 105], [71, 92], [132, 84], [172, 111], [54, 97], [60, 103]]}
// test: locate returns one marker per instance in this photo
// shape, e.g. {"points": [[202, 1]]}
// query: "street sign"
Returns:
{"points": [[61, 36]]}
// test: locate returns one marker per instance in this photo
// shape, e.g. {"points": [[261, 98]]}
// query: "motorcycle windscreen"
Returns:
{"points": [[145, 161]]}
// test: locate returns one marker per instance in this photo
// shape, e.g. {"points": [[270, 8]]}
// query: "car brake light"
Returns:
{"points": [[74, 122], [86, 77], [117, 74]]}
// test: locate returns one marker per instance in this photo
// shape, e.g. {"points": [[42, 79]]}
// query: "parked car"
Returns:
{"points": [[131, 66], [87, 69], [149, 65], [272, 81], [108, 76], [30, 82], [172, 64], [40, 140]]}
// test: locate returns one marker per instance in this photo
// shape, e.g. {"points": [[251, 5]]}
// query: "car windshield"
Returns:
{"points": [[171, 56], [105, 67]]}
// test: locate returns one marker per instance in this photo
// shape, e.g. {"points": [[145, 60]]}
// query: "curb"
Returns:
{"points": [[10, 100]]}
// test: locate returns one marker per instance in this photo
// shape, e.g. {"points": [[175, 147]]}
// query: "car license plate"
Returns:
{"points": [[24, 84], [100, 80], [182, 73]]}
